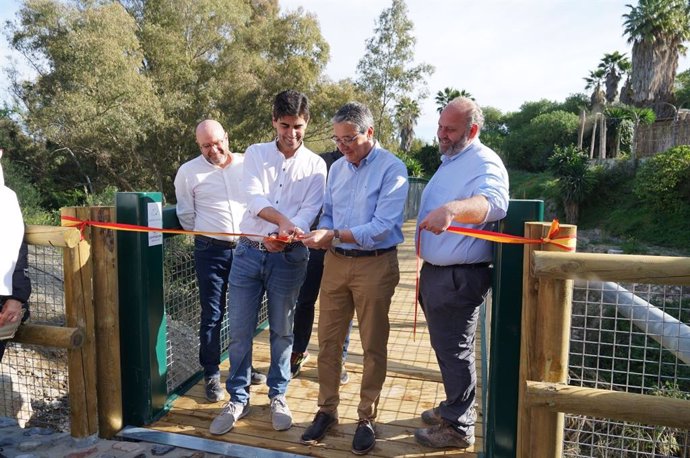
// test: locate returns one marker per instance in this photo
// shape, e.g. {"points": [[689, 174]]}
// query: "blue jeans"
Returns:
{"points": [[279, 275], [212, 264]]}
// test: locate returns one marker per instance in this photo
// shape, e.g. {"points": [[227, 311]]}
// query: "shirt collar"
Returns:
{"points": [[472, 144]]}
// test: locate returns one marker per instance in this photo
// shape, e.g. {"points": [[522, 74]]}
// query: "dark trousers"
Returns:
{"points": [[212, 264], [451, 297]]}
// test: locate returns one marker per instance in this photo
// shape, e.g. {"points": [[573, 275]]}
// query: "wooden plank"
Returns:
{"points": [[660, 270], [413, 384]]}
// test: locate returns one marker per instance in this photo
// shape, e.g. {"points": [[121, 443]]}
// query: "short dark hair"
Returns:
{"points": [[290, 103]]}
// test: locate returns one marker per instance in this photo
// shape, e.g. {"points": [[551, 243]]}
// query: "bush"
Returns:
{"points": [[663, 181], [530, 147], [576, 180], [429, 157]]}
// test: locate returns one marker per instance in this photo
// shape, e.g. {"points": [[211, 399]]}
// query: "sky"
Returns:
{"points": [[503, 52]]}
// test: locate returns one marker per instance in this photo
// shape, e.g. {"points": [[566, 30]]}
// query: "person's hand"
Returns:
{"points": [[437, 220], [320, 239], [276, 241], [11, 312]]}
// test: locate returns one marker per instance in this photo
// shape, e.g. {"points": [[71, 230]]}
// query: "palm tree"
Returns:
{"points": [[657, 30], [615, 65], [446, 95], [594, 82], [406, 115]]}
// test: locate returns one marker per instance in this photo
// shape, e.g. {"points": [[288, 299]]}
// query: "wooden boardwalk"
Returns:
{"points": [[413, 385]]}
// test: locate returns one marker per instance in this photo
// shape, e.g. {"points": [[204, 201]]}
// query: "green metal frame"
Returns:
{"points": [[143, 329], [501, 414]]}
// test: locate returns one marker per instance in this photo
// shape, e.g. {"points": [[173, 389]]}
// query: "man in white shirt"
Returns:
{"points": [[284, 182], [211, 198], [15, 285]]}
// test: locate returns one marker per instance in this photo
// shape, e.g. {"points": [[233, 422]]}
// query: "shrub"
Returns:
{"points": [[575, 179], [530, 147], [663, 181]]}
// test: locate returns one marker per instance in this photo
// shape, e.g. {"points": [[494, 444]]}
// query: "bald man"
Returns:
{"points": [[211, 198]]}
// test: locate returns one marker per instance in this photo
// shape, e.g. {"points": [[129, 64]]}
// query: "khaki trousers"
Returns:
{"points": [[364, 285]]}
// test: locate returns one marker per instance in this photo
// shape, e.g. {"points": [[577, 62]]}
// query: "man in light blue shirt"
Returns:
{"points": [[469, 189], [361, 226]]}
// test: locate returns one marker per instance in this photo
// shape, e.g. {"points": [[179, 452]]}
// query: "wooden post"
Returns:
{"points": [[545, 328], [79, 313], [49, 336], [106, 300]]}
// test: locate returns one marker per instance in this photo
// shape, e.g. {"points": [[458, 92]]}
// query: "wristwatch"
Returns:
{"points": [[336, 238]]}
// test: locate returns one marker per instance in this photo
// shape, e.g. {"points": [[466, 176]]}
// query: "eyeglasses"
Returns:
{"points": [[345, 140], [218, 143]]}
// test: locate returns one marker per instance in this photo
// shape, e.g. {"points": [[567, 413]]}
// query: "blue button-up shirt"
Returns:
{"points": [[369, 200], [476, 170]]}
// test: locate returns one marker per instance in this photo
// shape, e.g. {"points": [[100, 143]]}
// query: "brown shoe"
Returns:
{"points": [[443, 435], [432, 416]]}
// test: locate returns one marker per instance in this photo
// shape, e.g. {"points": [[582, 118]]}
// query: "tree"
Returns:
{"points": [[122, 84], [657, 30], [530, 146], [91, 95], [594, 82], [495, 130], [615, 65], [445, 96], [406, 115], [387, 71], [682, 89], [575, 180]]}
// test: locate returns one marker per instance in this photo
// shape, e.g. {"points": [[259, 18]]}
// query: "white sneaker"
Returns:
{"points": [[232, 411], [280, 413]]}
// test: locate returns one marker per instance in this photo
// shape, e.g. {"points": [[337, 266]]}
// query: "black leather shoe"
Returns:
{"points": [[365, 438], [318, 428]]}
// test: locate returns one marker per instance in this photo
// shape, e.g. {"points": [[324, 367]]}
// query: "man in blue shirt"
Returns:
{"points": [[470, 189], [361, 226]]}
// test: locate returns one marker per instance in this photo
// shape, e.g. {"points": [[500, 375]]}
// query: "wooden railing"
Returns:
{"points": [[547, 299], [91, 333]]}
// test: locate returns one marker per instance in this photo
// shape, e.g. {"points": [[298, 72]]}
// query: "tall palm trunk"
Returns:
{"points": [[654, 73]]}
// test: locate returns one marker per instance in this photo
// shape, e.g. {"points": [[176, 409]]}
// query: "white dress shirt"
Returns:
{"points": [[11, 236], [211, 198], [294, 187]]}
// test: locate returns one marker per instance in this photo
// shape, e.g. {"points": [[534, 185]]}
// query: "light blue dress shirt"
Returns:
{"points": [[369, 200], [476, 170]]}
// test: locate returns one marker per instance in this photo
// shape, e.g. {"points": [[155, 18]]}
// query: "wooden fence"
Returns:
{"points": [[544, 395], [91, 334]]}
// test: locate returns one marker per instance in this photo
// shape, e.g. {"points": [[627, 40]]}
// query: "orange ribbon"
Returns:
{"points": [[565, 242], [81, 225]]}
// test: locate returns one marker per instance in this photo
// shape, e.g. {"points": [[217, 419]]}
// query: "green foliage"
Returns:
{"points": [[575, 179], [574, 103], [445, 96], [495, 130], [663, 181], [528, 111], [387, 71], [682, 89], [529, 146], [30, 199], [407, 112], [429, 157], [122, 85], [414, 167]]}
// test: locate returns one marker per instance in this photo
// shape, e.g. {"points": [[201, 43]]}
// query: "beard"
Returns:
{"points": [[456, 147]]}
